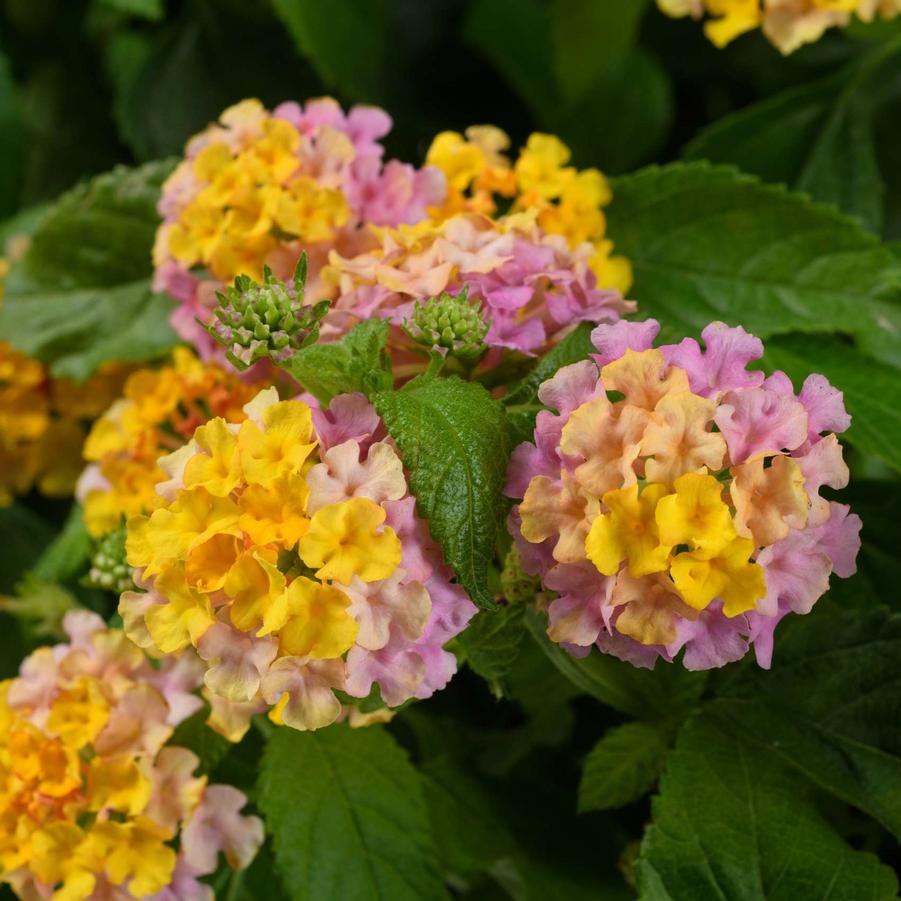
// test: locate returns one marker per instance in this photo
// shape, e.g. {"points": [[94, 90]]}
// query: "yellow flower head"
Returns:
{"points": [[281, 564], [671, 497]]}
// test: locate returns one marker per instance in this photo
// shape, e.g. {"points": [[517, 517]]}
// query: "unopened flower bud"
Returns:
{"points": [[266, 321], [449, 324], [109, 567]]}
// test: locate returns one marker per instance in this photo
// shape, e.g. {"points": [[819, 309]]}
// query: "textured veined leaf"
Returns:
{"points": [[830, 706], [623, 766], [81, 294], [455, 443], [732, 821], [355, 363], [816, 137], [707, 243], [346, 812]]}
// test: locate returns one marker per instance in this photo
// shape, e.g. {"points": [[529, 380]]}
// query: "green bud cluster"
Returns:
{"points": [[266, 321], [449, 323], [109, 566]]}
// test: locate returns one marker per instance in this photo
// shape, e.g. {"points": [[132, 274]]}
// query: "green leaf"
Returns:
{"points": [[707, 242], [454, 440], [817, 137], [872, 390], [81, 294], [830, 707], [666, 692], [492, 641], [733, 822], [358, 362], [11, 138], [67, 555], [470, 833], [98, 235], [346, 812], [77, 331], [574, 64], [344, 40], [878, 503], [623, 766]]}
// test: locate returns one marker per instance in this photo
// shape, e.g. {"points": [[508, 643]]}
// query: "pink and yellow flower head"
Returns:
{"points": [[43, 423], [95, 803], [259, 187], [532, 285], [565, 200], [787, 24], [286, 550], [671, 498], [158, 413]]}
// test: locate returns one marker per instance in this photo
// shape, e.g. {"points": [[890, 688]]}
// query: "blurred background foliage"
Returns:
{"points": [[85, 84]]}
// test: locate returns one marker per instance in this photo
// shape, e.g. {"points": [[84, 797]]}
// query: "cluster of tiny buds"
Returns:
{"points": [[449, 324], [109, 568], [256, 321]]}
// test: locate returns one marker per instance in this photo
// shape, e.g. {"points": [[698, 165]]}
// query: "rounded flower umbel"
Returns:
{"points": [[259, 187], [671, 498], [95, 802], [287, 551]]}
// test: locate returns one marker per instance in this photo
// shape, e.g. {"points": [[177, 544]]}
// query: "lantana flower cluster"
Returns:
{"points": [[288, 552], [43, 423], [95, 802], [787, 24], [157, 413], [481, 178], [259, 187], [671, 498]]}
